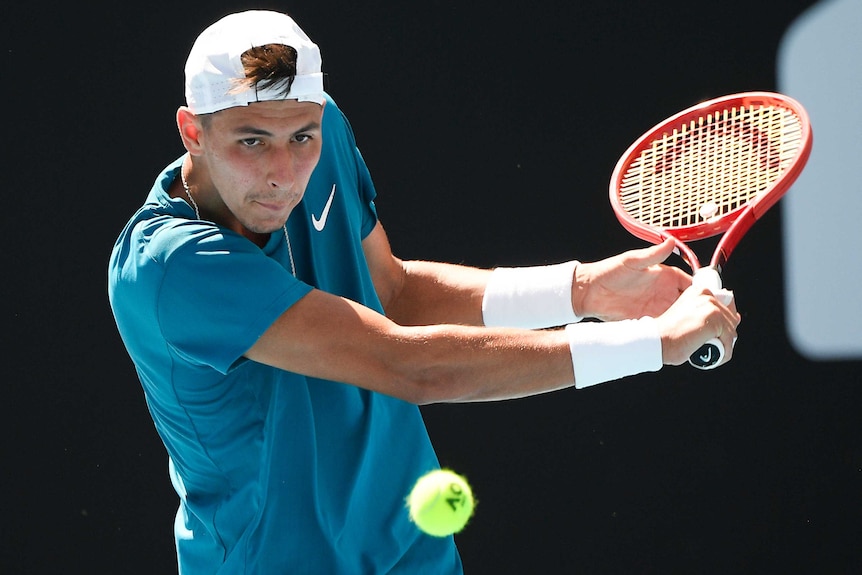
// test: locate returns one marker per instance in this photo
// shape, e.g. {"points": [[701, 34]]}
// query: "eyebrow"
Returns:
{"points": [[254, 131]]}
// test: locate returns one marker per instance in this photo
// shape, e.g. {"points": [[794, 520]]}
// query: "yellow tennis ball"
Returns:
{"points": [[441, 503]]}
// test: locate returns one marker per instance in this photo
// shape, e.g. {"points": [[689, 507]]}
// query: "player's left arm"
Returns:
{"points": [[626, 286]]}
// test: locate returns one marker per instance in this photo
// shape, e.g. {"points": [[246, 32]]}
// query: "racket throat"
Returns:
{"points": [[709, 278]]}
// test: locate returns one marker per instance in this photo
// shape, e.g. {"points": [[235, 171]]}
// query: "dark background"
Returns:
{"points": [[491, 133]]}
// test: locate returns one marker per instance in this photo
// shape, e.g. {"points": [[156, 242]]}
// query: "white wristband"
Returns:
{"points": [[607, 351], [530, 297]]}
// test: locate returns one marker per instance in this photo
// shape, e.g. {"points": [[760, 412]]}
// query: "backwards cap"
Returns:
{"points": [[214, 65]]}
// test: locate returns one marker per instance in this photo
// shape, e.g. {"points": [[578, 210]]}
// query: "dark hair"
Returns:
{"points": [[271, 65], [268, 66]]}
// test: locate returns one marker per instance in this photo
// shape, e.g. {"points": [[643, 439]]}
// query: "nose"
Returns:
{"points": [[281, 174]]}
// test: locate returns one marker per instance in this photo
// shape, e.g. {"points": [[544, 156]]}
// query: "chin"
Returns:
{"points": [[264, 228]]}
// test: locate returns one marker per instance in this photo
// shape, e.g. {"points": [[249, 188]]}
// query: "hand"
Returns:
{"points": [[629, 286], [697, 316]]}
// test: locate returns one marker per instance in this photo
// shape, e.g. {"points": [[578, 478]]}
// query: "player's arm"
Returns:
{"points": [[329, 337], [424, 293], [333, 338], [629, 285]]}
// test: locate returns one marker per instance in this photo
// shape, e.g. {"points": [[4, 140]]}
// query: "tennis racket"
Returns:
{"points": [[712, 169]]}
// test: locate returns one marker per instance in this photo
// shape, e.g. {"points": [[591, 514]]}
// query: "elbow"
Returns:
{"points": [[420, 389], [423, 369], [440, 384]]}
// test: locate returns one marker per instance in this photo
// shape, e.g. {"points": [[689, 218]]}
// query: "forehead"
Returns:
{"points": [[271, 116]]}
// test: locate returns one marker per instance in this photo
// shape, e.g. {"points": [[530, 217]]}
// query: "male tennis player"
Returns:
{"points": [[283, 348]]}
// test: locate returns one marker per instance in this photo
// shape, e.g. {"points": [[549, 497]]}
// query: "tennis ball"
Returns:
{"points": [[441, 503]]}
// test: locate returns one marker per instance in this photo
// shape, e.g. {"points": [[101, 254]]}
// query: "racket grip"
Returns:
{"points": [[709, 355]]}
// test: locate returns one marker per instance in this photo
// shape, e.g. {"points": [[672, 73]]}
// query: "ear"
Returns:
{"points": [[191, 131]]}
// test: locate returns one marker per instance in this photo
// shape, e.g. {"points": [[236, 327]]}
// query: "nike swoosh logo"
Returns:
{"points": [[320, 223]]}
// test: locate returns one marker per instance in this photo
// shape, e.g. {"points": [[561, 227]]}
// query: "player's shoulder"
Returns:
{"points": [[163, 236], [335, 121], [331, 107]]}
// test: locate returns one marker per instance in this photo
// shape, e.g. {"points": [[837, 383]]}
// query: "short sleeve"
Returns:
{"points": [[219, 293]]}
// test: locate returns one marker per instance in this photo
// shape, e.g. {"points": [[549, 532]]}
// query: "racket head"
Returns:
{"points": [[692, 175]]}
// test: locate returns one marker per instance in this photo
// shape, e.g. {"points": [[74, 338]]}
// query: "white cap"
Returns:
{"points": [[214, 67]]}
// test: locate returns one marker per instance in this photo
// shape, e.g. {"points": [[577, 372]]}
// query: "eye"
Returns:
{"points": [[250, 142], [303, 138]]}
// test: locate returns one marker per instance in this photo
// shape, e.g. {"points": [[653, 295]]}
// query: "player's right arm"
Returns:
{"points": [[329, 337]]}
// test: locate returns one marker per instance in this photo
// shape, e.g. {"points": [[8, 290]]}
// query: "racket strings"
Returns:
{"points": [[710, 166]]}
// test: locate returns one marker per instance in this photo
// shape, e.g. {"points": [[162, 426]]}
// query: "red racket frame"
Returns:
{"points": [[734, 223]]}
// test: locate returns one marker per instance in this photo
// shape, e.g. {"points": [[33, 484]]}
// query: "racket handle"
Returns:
{"points": [[710, 354]]}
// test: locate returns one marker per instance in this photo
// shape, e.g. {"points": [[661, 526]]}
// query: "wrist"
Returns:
{"points": [[580, 283], [530, 297], [613, 350]]}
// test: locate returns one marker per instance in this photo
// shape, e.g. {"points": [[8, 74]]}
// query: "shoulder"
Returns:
{"points": [[155, 242], [335, 121], [332, 108]]}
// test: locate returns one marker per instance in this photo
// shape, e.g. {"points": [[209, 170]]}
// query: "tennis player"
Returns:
{"points": [[283, 349]]}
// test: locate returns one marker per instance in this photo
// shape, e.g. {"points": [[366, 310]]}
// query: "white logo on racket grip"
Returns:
{"points": [[706, 358], [320, 223]]}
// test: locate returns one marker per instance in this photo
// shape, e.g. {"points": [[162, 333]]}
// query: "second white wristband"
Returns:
{"points": [[607, 351]]}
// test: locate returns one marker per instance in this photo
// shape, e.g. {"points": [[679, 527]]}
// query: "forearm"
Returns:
{"points": [[532, 297], [467, 364], [423, 293], [432, 293], [463, 364]]}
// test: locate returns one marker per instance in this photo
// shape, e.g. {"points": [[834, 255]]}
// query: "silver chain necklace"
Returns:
{"points": [[198, 215]]}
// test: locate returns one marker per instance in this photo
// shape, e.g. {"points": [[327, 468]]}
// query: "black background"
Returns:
{"points": [[491, 133]]}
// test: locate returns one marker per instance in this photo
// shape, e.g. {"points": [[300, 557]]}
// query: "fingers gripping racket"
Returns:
{"points": [[714, 168]]}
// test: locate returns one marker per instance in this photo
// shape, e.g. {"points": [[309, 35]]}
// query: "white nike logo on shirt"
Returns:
{"points": [[320, 223]]}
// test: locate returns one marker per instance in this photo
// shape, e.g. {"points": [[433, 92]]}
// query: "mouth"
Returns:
{"points": [[272, 206]]}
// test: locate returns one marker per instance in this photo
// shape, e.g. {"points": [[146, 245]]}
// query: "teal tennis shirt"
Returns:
{"points": [[276, 472]]}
